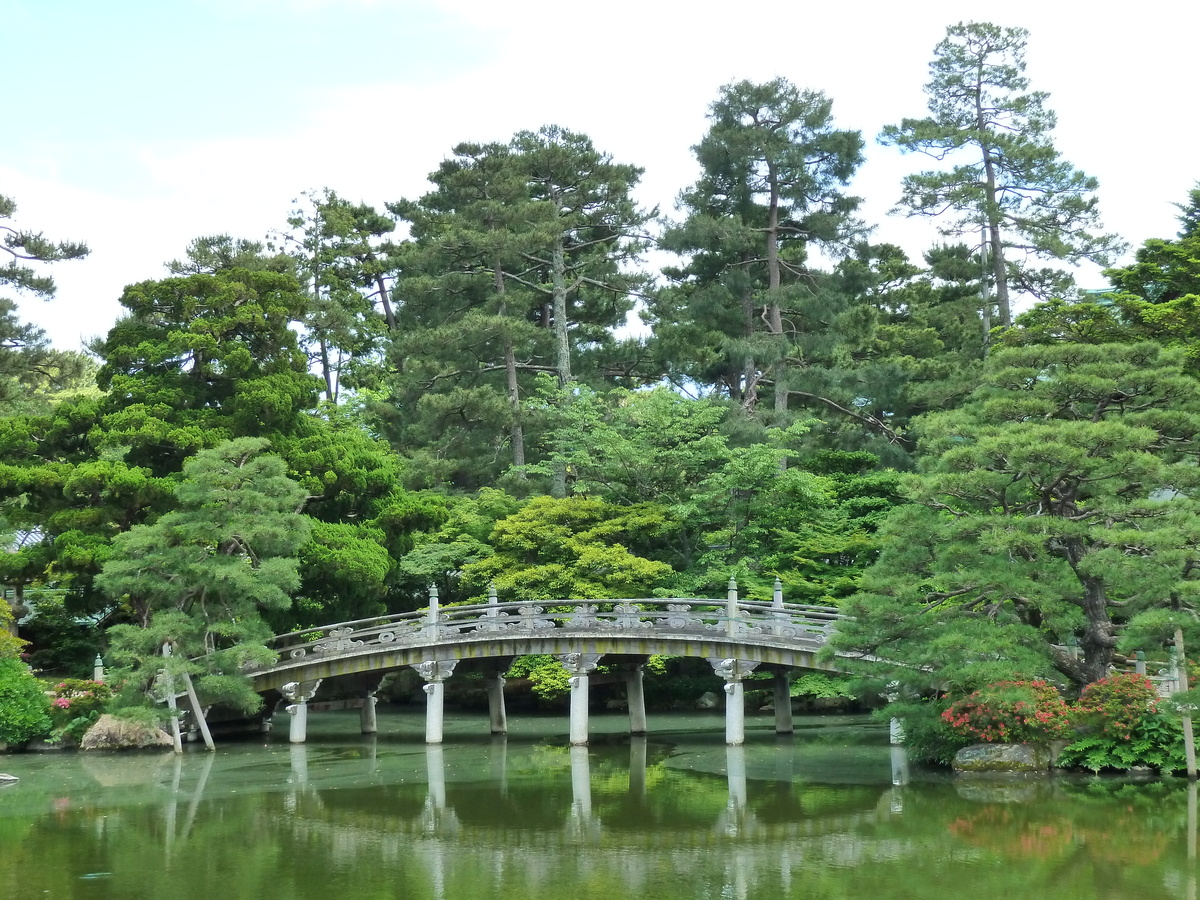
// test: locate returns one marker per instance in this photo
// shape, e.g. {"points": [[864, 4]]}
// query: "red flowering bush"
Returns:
{"points": [[1010, 712], [75, 705], [1117, 704]]}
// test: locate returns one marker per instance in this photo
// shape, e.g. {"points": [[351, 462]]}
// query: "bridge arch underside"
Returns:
{"points": [[381, 659]]}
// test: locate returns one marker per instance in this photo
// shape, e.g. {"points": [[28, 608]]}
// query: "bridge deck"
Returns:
{"points": [[778, 633]]}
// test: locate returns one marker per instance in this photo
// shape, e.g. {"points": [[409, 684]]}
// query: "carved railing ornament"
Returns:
{"points": [[584, 617], [629, 615], [338, 640], [300, 691], [579, 663], [731, 669], [432, 670]]}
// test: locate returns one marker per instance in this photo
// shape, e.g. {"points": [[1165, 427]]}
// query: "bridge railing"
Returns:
{"points": [[686, 617]]}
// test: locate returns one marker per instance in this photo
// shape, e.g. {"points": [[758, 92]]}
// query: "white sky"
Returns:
{"points": [[138, 125]]}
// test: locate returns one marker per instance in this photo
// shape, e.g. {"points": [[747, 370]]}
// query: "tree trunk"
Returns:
{"points": [[985, 301], [385, 302], [326, 371], [749, 396], [562, 360], [991, 210], [1098, 643], [517, 430], [774, 313], [562, 337]]}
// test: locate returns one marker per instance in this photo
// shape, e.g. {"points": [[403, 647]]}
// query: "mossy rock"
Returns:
{"points": [[111, 733], [1003, 759]]}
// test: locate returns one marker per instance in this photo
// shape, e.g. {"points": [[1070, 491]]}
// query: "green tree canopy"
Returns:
{"points": [[203, 574], [1055, 504]]}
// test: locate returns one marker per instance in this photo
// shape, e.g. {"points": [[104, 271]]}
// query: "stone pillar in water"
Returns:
{"points": [[299, 693], [578, 665], [783, 704], [497, 716], [636, 698], [434, 673], [733, 670], [368, 723]]}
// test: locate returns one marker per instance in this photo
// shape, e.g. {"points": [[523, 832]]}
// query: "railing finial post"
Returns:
{"points": [[493, 601], [731, 608], [433, 604], [777, 599]]}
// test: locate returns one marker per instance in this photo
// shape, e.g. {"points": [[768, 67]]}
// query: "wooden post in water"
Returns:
{"points": [[198, 712], [1189, 738], [169, 686]]}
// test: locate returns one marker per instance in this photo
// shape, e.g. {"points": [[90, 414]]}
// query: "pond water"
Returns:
{"points": [[817, 816]]}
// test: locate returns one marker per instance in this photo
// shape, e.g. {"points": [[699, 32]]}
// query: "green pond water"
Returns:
{"points": [[831, 813]]}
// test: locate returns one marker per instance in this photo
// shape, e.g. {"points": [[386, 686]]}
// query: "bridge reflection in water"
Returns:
{"points": [[559, 821], [735, 636], [499, 811]]}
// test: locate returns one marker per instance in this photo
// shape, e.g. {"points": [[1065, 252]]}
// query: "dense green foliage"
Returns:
{"points": [[24, 709], [450, 396]]}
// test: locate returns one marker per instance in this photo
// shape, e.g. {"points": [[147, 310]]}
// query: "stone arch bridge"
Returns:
{"points": [[735, 636]]}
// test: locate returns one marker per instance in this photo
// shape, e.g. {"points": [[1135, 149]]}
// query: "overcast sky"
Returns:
{"points": [[137, 125]]}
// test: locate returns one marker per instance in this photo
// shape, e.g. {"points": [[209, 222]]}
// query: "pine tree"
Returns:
{"points": [[774, 167], [1005, 176]]}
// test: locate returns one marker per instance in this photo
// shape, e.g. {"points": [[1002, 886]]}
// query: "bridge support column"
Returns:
{"points": [[578, 665], [497, 716], [733, 671], [435, 672], [783, 704], [368, 723], [635, 697], [299, 693]]}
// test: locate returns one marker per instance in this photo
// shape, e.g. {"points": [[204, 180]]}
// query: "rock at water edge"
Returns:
{"points": [[111, 733], [1012, 759]]}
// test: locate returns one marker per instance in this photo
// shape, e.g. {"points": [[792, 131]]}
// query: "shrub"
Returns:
{"points": [[24, 709], [76, 704], [1155, 741], [1010, 712], [1116, 704], [1124, 728]]}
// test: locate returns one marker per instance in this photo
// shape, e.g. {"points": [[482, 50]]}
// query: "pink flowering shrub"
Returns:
{"points": [[77, 703], [1117, 704], [1010, 712]]}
